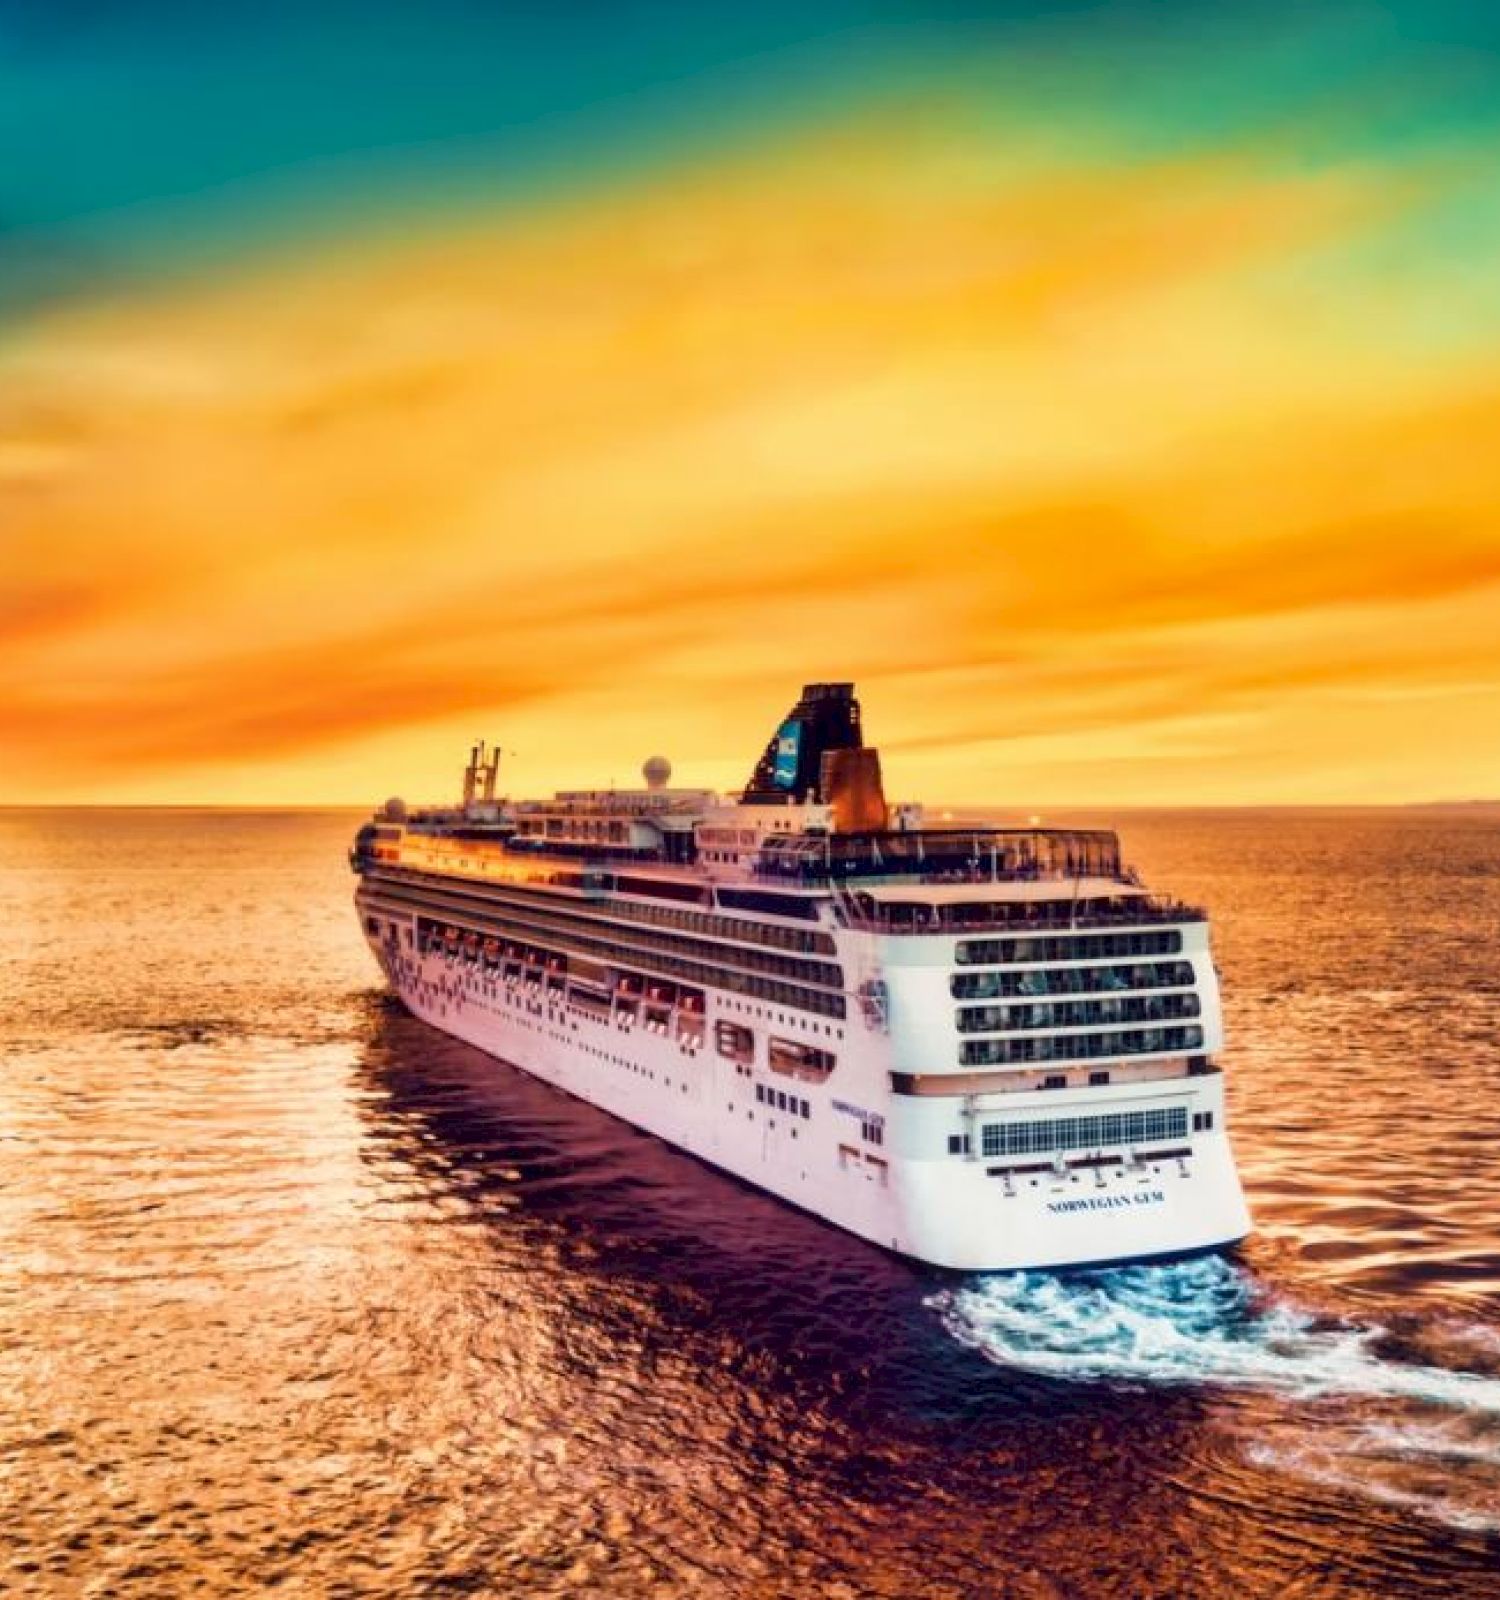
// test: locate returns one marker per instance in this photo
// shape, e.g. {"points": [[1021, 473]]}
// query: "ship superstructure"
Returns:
{"points": [[981, 1047]]}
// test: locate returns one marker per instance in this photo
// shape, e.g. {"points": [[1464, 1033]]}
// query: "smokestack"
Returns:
{"points": [[789, 772], [850, 783]]}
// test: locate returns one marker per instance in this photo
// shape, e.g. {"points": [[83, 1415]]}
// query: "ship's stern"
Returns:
{"points": [[1126, 1178], [1055, 1100]]}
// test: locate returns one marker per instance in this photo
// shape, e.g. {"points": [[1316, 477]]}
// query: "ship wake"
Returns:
{"points": [[1384, 1406], [1201, 1322]]}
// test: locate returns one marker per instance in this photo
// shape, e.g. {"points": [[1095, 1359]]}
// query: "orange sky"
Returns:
{"points": [[1096, 500]]}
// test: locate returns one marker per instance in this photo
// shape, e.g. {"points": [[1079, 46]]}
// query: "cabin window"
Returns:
{"points": [[1079, 947], [590, 1000], [1078, 1013], [734, 1042], [1108, 1130], [1072, 980], [798, 1060], [1077, 1047]]}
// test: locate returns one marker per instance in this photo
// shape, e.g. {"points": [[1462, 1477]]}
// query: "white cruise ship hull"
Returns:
{"points": [[981, 1047], [880, 1164]]}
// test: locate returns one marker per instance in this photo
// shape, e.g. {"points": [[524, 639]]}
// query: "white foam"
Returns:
{"points": [[1364, 1477], [1195, 1322], [1416, 1443]]}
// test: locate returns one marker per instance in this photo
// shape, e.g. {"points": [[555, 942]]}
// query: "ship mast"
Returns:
{"points": [[481, 775]]}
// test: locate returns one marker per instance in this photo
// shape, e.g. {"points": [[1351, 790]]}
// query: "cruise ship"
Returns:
{"points": [[985, 1048]]}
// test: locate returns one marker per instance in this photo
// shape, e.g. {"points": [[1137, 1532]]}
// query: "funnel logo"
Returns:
{"points": [[788, 747]]}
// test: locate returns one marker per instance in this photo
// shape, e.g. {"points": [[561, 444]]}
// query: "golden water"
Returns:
{"points": [[297, 1295]]}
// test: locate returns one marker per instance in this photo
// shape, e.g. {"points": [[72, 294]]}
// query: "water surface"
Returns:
{"points": [[297, 1294]]}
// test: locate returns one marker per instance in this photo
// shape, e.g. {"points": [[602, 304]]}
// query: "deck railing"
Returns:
{"points": [[856, 910], [941, 855]]}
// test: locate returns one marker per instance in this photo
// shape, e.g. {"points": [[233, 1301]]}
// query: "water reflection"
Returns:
{"points": [[802, 1372], [296, 1291]]}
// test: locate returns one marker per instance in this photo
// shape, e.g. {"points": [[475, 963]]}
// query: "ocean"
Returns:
{"points": [[299, 1296]]}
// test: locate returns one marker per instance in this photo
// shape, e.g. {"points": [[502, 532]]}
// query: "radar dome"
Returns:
{"points": [[656, 772], [395, 809]]}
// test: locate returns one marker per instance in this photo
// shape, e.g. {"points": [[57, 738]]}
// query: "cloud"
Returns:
{"points": [[1030, 446]]}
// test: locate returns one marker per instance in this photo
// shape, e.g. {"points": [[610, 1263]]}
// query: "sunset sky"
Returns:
{"points": [[1113, 392]]}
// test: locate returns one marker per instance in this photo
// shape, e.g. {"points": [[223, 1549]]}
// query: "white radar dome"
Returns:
{"points": [[395, 809], [657, 771]]}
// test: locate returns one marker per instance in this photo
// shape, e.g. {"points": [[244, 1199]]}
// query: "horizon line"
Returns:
{"points": [[242, 807]]}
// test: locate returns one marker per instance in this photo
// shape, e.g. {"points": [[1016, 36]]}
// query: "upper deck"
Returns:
{"points": [[811, 838], [971, 882]]}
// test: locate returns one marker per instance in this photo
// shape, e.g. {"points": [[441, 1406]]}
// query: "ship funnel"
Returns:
{"points": [[850, 782], [791, 769]]}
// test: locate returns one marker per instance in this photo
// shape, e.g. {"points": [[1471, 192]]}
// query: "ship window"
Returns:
{"points": [[1111, 1129], [678, 956], [1055, 1080], [1098, 1079], [734, 1041], [1079, 1047], [958, 1144], [1076, 947], [1078, 1013], [1112, 979], [799, 1060]]}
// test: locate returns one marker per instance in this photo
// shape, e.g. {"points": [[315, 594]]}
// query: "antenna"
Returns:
{"points": [[481, 775]]}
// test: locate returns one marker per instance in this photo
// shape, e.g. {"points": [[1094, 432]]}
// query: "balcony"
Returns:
{"points": [[945, 917], [942, 856]]}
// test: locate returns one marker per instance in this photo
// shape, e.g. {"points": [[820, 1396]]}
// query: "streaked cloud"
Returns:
{"points": [[1048, 447]]}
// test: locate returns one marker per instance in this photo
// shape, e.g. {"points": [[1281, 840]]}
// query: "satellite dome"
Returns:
{"points": [[656, 772], [395, 809]]}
